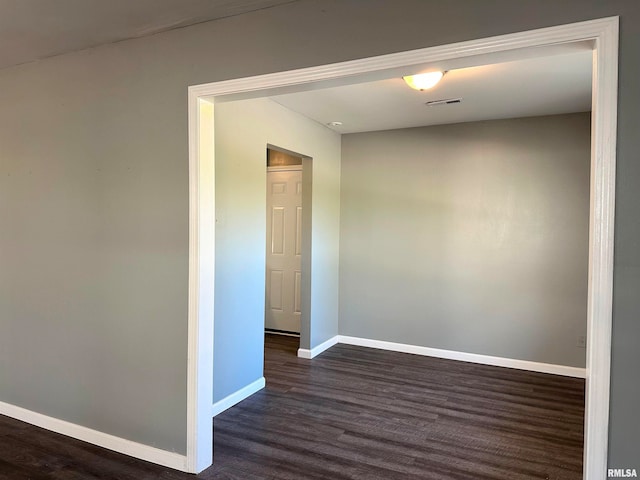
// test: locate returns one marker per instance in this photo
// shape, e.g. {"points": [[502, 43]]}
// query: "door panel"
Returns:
{"points": [[275, 290], [277, 230], [284, 250]]}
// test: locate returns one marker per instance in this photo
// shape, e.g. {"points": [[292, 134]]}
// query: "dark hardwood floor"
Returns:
{"points": [[356, 413]]}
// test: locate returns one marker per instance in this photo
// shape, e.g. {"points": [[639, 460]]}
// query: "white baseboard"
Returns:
{"points": [[465, 357], [104, 440], [236, 397], [314, 352]]}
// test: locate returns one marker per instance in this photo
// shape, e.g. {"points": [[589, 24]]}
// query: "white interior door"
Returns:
{"points": [[284, 248]]}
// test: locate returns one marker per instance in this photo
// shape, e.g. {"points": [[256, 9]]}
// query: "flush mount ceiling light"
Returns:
{"points": [[334, 124], [424, 81]]}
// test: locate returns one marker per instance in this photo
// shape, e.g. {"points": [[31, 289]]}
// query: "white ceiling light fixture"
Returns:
{"points": [[424, 81], [334, 124]]}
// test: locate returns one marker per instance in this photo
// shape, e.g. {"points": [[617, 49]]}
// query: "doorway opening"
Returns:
{"points": [[603, 34], [287, 296]]}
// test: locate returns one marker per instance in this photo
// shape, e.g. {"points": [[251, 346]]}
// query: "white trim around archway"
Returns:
{"points": [[604, 34]]}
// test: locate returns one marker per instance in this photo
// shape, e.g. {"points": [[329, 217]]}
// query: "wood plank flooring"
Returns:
{"points": [[356, 413]]}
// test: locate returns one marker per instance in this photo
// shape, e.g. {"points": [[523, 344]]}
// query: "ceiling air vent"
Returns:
{"points": [[447, 101]]}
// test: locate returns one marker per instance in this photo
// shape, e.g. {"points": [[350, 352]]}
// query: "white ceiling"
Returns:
{"points": [[546, 85], [537, 85], [36, 29]]}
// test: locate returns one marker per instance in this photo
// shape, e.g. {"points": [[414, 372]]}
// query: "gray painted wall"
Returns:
{"points": [[470, 237], [243, 129], [94, 198]]}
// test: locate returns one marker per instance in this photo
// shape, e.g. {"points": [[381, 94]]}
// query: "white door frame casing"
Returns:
{"points": [[604, 34]]}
